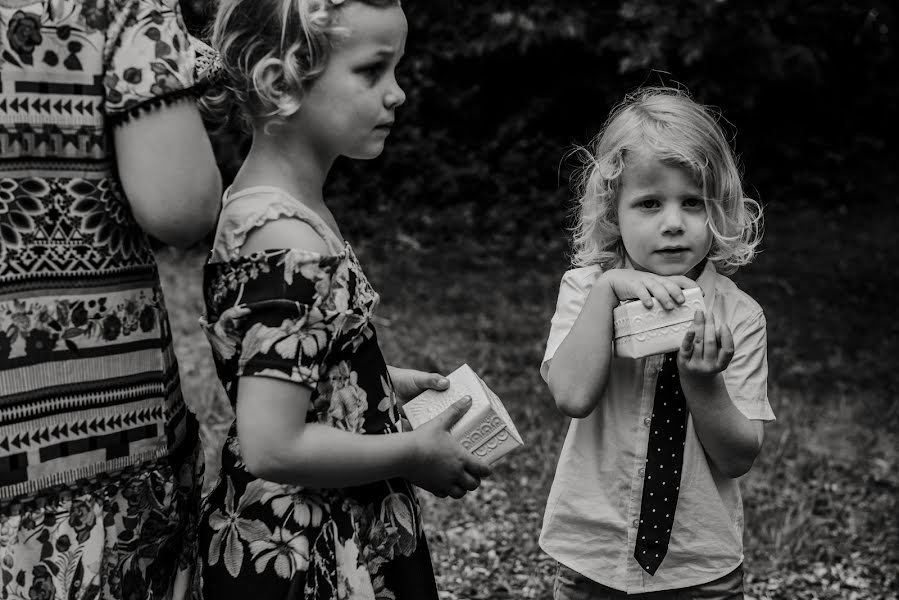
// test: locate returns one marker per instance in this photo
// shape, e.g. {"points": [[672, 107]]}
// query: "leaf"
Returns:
{"points": [[72, 332], [10, 58]]}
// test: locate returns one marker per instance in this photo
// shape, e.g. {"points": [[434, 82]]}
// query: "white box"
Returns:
{"points": [[641, 331], [486, 430]]}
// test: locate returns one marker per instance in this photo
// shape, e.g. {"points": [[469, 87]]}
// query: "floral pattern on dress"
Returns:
{"points": [[159, 63], [114, 542], [306, 318], [38, 328]]}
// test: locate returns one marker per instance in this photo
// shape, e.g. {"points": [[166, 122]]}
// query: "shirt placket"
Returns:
{"points": [[634, 573]]}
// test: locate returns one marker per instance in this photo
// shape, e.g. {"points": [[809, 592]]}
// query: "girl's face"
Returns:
{"points": [[662, 217], [349, 109]]}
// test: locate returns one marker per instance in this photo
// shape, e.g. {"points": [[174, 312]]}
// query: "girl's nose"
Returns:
{"points": [[673, 221], [395, 96]]}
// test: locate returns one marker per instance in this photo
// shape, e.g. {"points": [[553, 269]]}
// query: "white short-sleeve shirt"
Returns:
{"points": [[593, 508]]}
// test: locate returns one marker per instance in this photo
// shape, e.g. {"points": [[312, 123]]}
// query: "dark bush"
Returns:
{"points": [[499, 91]]}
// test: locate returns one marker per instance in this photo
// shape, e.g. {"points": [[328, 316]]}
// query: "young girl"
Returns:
{"points": [[645, 497], [315, 498]]}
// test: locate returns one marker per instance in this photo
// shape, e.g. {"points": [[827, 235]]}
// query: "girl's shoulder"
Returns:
{"points": [[287, 221]]}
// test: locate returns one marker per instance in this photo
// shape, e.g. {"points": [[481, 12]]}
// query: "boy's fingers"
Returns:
{"points": [[683, 282], [710, 350], [686, 345], [644, 296], [699, 327], [662, 294], [674, 289]]}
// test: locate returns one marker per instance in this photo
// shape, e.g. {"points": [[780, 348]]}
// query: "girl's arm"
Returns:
{"points": [[278, 445], [579, 370], [731, 440], [168, 171]]}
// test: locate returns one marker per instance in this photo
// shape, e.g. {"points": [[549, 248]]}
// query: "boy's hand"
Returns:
{"points": [[705, 350], [628, 284]]}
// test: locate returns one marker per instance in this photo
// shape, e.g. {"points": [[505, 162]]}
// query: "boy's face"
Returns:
{"points": [[662, 217], [349, 109]]}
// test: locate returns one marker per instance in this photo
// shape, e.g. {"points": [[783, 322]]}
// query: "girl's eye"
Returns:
{"points": [[694, 203], [372, 72], [648, 203]]}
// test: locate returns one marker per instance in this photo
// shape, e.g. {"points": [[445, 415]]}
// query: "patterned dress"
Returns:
{"points": [[97, 451], [303, 317]]}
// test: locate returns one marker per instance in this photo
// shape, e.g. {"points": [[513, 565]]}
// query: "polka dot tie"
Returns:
{"points": [[664, 462]]}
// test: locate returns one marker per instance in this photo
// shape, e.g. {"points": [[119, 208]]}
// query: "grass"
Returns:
{"points": [[821, 501]]}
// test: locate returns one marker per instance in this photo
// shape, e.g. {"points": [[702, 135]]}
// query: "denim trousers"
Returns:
{"points": [[571, 585]]}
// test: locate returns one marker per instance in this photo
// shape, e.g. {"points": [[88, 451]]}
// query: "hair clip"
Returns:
{"points": [[207, 60]]}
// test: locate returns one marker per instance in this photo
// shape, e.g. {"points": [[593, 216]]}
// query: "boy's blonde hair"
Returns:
{"points": [[271, 51], [678, 132]]}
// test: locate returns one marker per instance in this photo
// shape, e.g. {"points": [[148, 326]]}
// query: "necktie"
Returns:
{"points": [[664, 462]]}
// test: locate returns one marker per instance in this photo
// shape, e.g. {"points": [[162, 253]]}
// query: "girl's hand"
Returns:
{"points": [[628, 284], [705, 350], [408, 383], [441, 465]]}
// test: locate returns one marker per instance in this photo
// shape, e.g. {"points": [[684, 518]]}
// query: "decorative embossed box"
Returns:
{"points": [[641, 331], [486, 430]]}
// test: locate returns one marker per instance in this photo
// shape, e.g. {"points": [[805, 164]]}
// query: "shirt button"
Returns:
{"points": [[647, 421], [635, 523], [642, 472]]}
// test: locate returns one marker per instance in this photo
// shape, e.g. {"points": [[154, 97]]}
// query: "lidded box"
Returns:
{"points": [[641, 331], [486, 430]]}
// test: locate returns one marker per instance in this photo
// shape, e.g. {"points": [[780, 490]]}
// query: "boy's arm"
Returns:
{"points": [[579, 370], [731, 440]]}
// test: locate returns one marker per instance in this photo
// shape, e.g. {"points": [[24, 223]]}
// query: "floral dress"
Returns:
{"points": [[303, 317], [98, 482]]}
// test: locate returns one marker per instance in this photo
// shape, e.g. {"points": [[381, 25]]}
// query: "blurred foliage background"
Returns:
{"points": [[499, 91]]}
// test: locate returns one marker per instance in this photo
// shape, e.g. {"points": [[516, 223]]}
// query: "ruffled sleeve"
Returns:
{"points": [[276, 315], [149, 59]]}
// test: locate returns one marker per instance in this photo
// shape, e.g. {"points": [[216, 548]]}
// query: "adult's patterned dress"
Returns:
{"points": [[97, 450]]}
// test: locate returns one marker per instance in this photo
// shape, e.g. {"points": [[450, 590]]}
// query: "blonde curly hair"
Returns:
{"points": [[270, 52], [679, 132]]}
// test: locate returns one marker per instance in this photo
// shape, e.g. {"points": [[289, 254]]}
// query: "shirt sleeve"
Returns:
{"points": [[283, 326], [149, 59], [746, 376], [573, 293]]}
